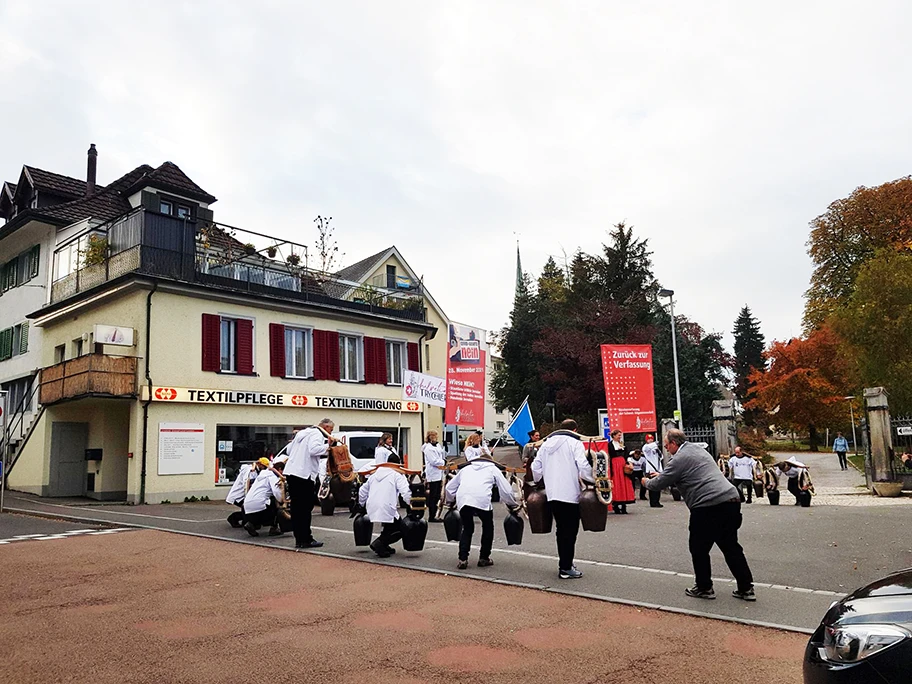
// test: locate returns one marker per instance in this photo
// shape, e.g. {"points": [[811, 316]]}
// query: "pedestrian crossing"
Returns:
{"points": [[63, 535]]}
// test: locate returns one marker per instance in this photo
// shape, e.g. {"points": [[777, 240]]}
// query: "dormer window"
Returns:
{"points": [[183, 212], [166, 207], [169, 208]]}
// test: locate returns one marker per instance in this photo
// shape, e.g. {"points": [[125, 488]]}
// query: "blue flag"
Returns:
{"points": [[522, 424]]}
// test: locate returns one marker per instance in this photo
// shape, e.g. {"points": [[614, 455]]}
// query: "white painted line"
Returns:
{"points": [[136, 515], [27, 536], [53, 536]]}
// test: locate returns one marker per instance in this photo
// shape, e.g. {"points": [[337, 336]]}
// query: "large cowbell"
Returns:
{"points": [[452, 525], [364, 530], [513, 529], [414, 532]]}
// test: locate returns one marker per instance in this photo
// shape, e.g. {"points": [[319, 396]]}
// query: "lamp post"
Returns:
{"points": [[674, 353], [551, 406], [852, 416]]}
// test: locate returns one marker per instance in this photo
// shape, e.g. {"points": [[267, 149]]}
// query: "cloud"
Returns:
{"points": [[718, 131]]}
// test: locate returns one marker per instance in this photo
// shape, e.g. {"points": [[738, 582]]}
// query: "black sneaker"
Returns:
{"points": [[572, 573], [485, 562], [462, 565], [747, 595], [251, 530], [379, 550], [696, 592]]}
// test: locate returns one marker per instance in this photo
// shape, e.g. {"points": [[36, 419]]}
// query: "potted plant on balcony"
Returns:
{"points": [[250, 248], [293, 259], [96, 251], [271, 251]]}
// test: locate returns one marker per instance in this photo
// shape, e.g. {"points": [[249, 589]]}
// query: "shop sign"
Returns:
{"points": [[113, 334], [186, 395]]}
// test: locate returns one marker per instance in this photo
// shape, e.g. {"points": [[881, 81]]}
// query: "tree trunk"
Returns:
{"points": [[813, 437]]}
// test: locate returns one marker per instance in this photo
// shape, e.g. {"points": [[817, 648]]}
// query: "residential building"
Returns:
{"points": [[172, 348]]}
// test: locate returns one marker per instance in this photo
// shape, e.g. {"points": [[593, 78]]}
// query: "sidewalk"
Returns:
{"points": [[152, 608]]}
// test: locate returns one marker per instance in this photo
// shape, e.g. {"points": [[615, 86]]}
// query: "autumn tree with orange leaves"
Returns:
{"points": [[805, 384]]}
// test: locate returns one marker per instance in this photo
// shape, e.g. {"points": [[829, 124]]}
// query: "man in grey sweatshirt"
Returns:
{"points": [[715, 513]]}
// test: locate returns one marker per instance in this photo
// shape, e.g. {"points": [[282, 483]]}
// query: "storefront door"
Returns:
{"points": [[68, 465]]}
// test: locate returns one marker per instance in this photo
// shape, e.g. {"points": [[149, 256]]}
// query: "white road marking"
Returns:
{"points": [[135, 515]]}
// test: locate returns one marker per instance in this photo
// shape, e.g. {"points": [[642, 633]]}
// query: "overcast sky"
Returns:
{"points": [[716, 129]]}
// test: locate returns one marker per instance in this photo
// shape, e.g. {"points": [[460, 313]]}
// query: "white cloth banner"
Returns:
{"points": [[424, 388]]}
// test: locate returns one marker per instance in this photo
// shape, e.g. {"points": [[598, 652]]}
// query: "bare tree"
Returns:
{"points": [[327, 247]]}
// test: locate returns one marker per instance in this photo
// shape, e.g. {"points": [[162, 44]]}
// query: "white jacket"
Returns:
{"points": [[239, 488], [473, 484], [265, 486], [304, 453], [473, 452], [381, 492], [433, 456], [382, 454], [561, 460], [653, 457]]}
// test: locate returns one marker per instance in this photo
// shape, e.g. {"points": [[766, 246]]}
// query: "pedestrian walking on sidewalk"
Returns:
{"points": [[715, 514], [841, 447]]}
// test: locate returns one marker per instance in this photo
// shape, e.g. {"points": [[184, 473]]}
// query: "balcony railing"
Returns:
{"points": [[89, 375], [164, 246]]}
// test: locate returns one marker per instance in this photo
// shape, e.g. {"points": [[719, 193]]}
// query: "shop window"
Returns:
{"points": [[351, 358], [395, 352], [298, 353], [239, 444]]}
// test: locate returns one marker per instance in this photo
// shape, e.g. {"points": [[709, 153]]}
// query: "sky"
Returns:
{"points": [[717, 130]]}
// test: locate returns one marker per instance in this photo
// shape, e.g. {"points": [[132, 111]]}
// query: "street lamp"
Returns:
{"points": [[852, 416], [551, 406], [674, 352]]}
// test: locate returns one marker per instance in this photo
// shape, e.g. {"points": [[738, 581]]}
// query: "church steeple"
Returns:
{"points": [[519, 271]]}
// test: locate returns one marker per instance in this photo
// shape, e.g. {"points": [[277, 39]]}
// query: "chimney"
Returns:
{"points": [[90, 172]]}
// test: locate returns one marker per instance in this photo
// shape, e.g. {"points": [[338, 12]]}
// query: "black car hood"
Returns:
{"points": [[888, 600]]}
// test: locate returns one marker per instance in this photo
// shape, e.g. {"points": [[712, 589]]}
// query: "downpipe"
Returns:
{"points": [[145, 428]]}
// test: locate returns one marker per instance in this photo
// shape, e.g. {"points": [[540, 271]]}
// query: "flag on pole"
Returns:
{"points": [[521, 425]]}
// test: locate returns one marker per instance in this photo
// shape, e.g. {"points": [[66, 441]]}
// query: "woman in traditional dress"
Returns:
{"points": [[621, 487]]}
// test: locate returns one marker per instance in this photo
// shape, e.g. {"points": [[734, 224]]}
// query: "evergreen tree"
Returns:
{"points": [[749, 346]]}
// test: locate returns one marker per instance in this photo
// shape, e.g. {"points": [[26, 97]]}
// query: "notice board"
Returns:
{"points": [[181, 448]]}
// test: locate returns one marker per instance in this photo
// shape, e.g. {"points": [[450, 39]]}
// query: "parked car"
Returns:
{"points": [[865, 637]]}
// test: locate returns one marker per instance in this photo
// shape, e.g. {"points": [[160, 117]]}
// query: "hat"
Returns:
{"points": [[280, 459], [263, 462]]}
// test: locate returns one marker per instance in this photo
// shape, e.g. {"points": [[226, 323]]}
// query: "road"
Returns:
{"points": [[154, 608], [802, 559]]}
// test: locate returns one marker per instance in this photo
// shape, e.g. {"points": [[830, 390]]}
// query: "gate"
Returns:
{"points": [[901, 429]]}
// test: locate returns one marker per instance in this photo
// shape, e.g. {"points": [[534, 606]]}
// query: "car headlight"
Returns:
{"points": [[851, 643]]}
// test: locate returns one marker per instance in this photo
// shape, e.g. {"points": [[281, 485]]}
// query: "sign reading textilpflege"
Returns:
{"points": [[187, 395]]}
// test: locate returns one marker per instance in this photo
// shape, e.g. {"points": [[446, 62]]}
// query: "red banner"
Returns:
{"points": [[465, 400], [627, 370]]}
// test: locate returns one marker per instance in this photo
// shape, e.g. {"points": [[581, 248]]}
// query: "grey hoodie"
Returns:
{"points": [[695, 473]]}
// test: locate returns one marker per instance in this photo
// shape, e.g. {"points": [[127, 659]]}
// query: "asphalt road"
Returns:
{"points": [[802, 559], [154, 608]]}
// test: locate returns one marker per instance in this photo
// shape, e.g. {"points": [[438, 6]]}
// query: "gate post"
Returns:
{"points": [[667, 424], [724, 423], [878, 413]]}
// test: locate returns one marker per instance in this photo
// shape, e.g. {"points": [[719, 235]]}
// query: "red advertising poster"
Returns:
{"points": [[465, 400], [627, 370]]}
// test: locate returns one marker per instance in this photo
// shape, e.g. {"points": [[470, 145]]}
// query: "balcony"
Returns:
{"points": [[92, 375], [153, 244]]}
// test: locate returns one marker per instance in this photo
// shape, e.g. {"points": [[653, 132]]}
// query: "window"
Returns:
{"points": [[391, 277], [500, 425], [77, 347], [165, 207], [228, 345], [19, 393], [351, 358], [9, 274], [34, 257], [394, 355], [17, 339], [60, 353], [183, 212], [298, 353]]}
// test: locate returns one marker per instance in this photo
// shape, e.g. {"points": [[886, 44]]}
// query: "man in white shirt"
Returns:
{"points": [[471, 490], [247, 474], [561, 461], [260, 502], [742, 468], [379, 495], [653, 457], [434, 460], [302, 472]]}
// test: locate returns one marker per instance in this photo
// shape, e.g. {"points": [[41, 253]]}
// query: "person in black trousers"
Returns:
{"points": [[715, 514]]}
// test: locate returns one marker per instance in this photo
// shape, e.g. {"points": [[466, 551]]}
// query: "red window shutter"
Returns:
{"points": [[375, 360], [277, 350], [244, 347], [413, 356], [326, 355], [211, 343]]}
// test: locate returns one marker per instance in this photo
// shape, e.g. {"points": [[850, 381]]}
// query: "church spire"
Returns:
{"points": [[519, 271]]}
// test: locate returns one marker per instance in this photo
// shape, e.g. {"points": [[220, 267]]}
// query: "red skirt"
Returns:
{"points": [[621, 484]]}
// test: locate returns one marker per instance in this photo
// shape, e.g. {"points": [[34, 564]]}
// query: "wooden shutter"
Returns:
{"points": [[277, 350], [413, 356], [211, 343], [375, 361], [6, 344], [23, 338], [326, 355], [244, 346]]}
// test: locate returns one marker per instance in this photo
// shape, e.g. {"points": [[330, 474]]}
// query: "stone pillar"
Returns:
{"points": [[667, 424], [881, 440], [726, 428]]}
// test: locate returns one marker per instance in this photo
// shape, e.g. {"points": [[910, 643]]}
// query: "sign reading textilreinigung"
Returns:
{"points": [[186, 395]]}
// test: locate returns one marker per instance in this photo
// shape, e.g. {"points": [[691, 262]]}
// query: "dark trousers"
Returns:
{"points": [[718, 525], [261, 518], [434, 489], [637, 478], [390, 533], [654, 497], [794, 489], [467, 515], [303, 495], [742, 485], [842, 460], [566, 528]]}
